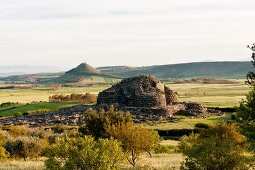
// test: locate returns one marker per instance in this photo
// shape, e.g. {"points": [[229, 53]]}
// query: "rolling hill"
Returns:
{"points": [[227, 69], [85, 74], [31, 78]]}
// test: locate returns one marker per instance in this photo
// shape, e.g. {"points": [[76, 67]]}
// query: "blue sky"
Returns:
{"points": [[65, 33]]}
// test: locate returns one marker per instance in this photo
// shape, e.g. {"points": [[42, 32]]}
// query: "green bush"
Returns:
{"points": [[165, 149], [25, 147], [219, 147], [3, 153], [84, 153], [246, 110], [18, 114], [97, 121], [59, 129], [135, 140], [8, 104], [202, 126], [32, 112], [119, 125]]}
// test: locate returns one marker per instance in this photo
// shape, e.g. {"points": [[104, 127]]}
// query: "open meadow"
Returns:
{"points": [[212, 95], [38, 94], [18, 109]]}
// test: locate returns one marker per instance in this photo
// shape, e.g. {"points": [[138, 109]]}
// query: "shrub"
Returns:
{"points": [[18, 114], [54, 138], [119, 125], [97, 122], [8, 104], [135, 140], [3, 153], [32, 112], [164, 149], [58, 129], [17, 131], [202, 126], [219, 147], [234, 116], [84, 153], [246, 109], [40, 133], [177, 132], [83, 98], [25, 147]]}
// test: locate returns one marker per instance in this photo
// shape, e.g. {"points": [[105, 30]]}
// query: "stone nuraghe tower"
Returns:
{"points": [[147, 95], [140, 91]]}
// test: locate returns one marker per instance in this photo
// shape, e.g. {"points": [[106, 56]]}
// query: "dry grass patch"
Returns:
{"points": [[159, 162], [22, 165]]}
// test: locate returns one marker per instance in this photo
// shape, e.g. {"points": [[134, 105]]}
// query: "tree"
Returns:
{"points": [[245, 114], [84, 153], [135, 139], [96, 122], [251, 75], [246, 110], [3, 153], [25, 147], [117, 124], [219, 147]]}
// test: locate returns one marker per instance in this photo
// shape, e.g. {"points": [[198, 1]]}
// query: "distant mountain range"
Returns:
{"points": [[28, 69], [86, 74], [227, 69]]}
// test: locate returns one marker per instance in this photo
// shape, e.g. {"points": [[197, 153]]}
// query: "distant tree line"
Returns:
{"points": [[8, 104], [83, 98], [7, 87]]}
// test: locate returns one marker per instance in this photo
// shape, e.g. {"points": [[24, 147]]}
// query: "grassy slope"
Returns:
{"points": [[187, 70], [22, 108], [189, 123], [216, 95]]}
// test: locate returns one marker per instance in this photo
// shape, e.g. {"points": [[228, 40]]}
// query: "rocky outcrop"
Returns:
{"points": [[72, 116]]}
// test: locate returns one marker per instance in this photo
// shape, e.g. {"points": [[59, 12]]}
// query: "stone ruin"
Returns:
{"points": [[140, 91], [72, 116], [146, 95]]}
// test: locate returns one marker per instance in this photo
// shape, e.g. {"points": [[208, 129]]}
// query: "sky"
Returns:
{"points": [[65, 33]]}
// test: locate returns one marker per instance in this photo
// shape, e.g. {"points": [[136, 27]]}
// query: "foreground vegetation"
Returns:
{"points": [[106, 140]]}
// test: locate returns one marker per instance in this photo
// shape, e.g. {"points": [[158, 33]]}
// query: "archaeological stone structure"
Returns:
{"points": [[146, 95], [140, 91]]}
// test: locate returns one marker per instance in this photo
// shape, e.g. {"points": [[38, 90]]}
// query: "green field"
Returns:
{"points": [[213, 95], [189, 123], [222, 95], [22, 108]]}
